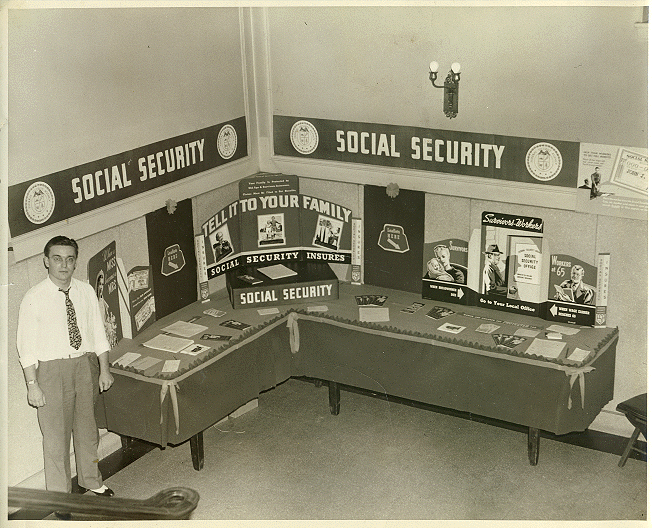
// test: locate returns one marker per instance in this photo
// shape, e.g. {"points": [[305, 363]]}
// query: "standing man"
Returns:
{"points": [[596, 177], [60, 341]]}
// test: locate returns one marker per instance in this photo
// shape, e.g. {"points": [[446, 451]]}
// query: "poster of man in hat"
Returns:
{"points": [[493, 278]]}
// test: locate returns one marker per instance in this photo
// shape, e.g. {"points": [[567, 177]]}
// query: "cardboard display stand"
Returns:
{"points": [[393, 238], [313, 282], [273, 225], [445, 269], [103, 276], [171, 247], [511, 255], [572, 291]]}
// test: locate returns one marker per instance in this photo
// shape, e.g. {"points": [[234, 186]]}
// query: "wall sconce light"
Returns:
{"points": [[450, 86]]}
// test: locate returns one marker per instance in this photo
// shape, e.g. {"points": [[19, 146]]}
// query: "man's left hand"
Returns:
{"points": [[106, 380]]}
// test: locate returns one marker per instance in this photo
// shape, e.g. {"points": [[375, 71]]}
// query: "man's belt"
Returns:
{"points": [[74, 355]]}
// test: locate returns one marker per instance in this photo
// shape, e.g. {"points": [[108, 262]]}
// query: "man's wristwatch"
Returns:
{"points": [[31, 382]]}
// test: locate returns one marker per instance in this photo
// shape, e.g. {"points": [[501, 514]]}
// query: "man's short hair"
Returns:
{"points": [[61, 240], [578, 268]]}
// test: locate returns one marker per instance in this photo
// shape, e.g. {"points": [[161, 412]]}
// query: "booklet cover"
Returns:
{"points": [[438, 312], [277, 271], [168, 343], [572, 290]]}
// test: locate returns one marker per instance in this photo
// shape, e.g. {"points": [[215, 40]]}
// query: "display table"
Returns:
{"points": [[406, 357]]}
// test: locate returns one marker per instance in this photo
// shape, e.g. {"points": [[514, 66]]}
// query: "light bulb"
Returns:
{"points": [[434, 66], [456, 67]]}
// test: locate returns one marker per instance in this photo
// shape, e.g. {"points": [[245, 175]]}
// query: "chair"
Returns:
{"points": [[635, 410]]}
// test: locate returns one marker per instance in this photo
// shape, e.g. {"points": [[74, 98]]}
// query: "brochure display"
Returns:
{"points": [[272, 238], [141, 298]]}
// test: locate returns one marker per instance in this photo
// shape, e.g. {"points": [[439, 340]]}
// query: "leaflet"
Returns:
{"points": [[168, 343], [126, 359], [171, 365], [372, 314], [563, 329], [145, 362], [184, 328], [277, 271], [578, 355], [546, 348]]}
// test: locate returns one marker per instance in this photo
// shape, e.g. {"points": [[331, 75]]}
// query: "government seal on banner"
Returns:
{"points": [[543, 161], [38, 202], [227, 141], [304, 137]]}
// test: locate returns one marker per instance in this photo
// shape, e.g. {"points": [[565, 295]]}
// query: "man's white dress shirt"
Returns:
{"points": [[43, 324]]}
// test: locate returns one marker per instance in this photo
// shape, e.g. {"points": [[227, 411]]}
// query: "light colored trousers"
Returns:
{"points": [[70, 387]]}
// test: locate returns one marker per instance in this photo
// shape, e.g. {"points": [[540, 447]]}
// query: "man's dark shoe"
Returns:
{"points": [[108, 492], [63, 516]]}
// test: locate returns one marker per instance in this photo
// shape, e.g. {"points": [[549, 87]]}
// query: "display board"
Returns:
{"points": [[172, 257], [141, 298], [572, 291], [393, 238], [103, 276], [272, 223], [512, 254], [445, 272]]}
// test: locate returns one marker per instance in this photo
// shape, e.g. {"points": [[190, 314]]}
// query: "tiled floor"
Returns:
{"points": [[291, 459]]}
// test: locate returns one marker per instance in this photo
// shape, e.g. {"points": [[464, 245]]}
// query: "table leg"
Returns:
{"points": [[126, 441], [533, 438], [197, 450], [334, 397]]}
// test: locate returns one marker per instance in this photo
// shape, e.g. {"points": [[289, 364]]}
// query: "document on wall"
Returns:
{"points": [[546, 348], [168, 343], [184, 328], [277, 271]]}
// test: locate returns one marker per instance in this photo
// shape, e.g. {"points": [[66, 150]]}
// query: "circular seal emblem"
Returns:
{"points": [[227, 141], [304, 137], [38, 202], [543, 161]]}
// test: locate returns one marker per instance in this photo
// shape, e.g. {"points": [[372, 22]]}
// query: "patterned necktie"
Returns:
{"points": [[73, 329]]}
